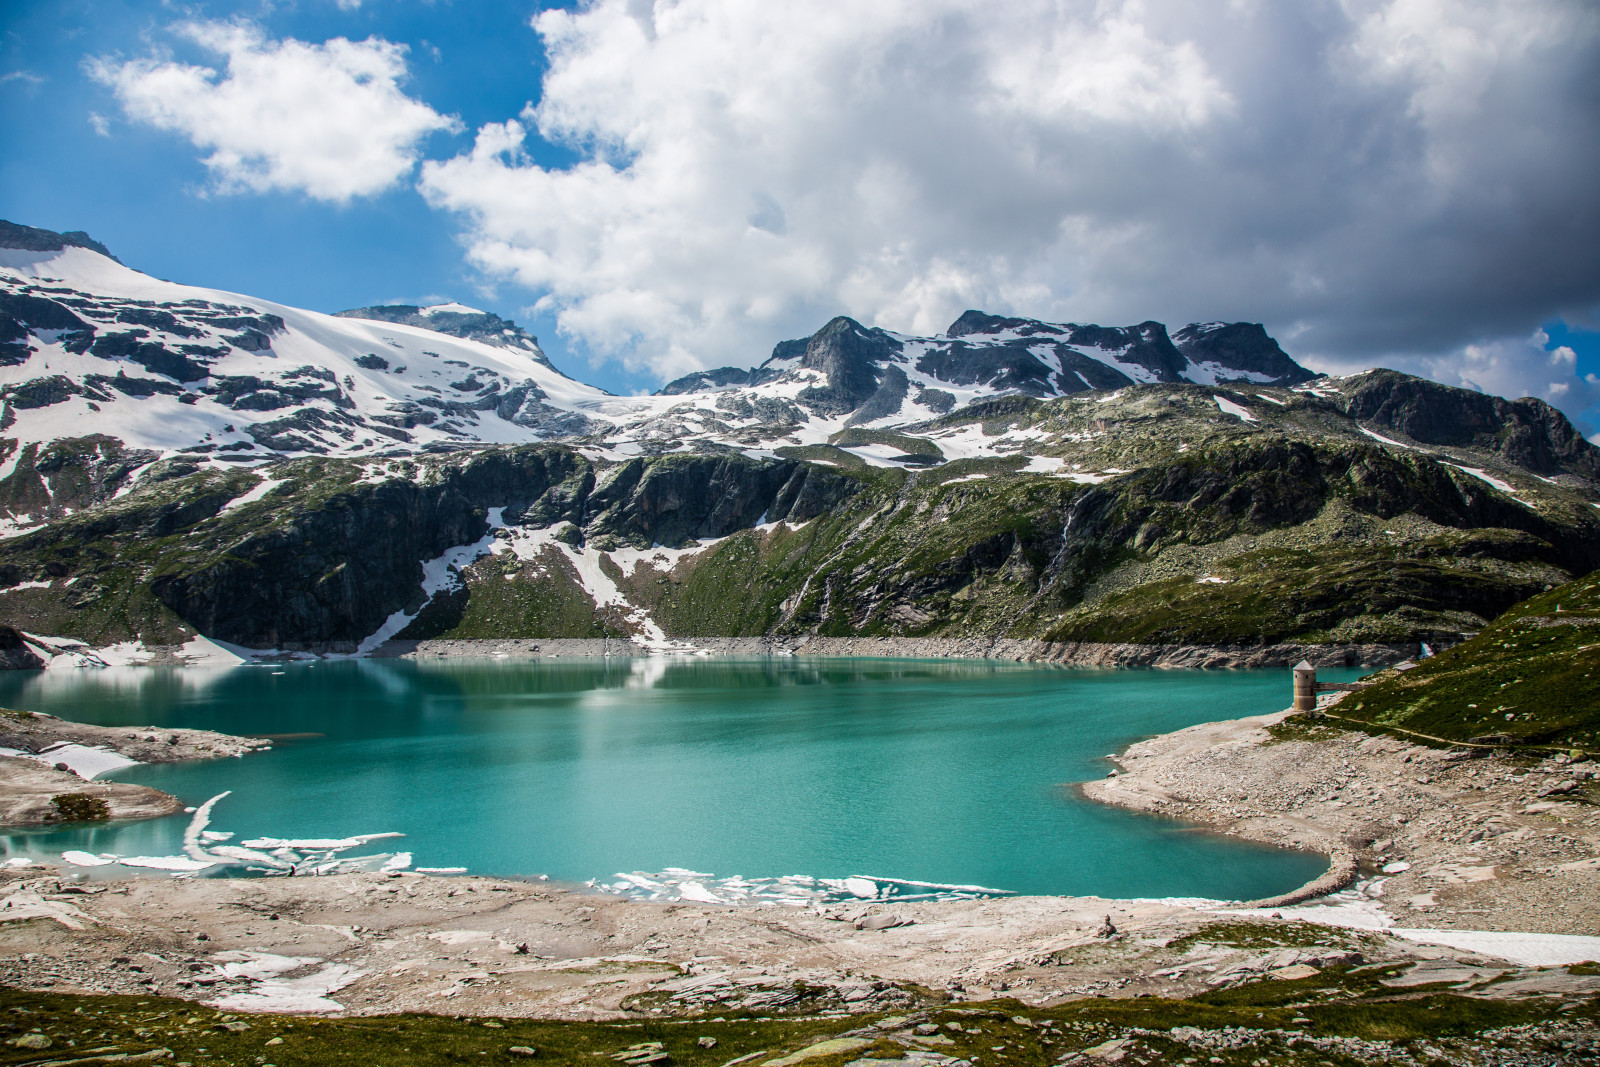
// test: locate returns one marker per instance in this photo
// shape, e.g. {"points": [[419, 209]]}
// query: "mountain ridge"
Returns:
{"points": [[164, 448]]}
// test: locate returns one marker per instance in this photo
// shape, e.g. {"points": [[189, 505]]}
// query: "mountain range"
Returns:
{"points": [[178, 461]]}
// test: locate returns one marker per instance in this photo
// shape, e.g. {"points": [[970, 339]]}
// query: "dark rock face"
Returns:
{"points": [[721, 378], [676, 499], [338, 571], [885, 401], [248, 393], [39, 312], [1528, 432], [1242, 346], [1260, 487], [1003, 367], [34, 239], [292, 432], [73, 472], [15, 655], [41, 392], [151, 355], [852, 357]]}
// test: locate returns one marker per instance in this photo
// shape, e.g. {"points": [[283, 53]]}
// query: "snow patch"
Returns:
{"points": [[1238, 411], [1386, 440], [271, 993], [266, 486], [1485, 476]]}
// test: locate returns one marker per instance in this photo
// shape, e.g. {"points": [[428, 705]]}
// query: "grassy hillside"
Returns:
{"points": [[1533, 675], [1147, 516]]}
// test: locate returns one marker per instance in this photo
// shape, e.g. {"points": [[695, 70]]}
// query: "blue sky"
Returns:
{"points": [[144, 192], [697, 179]]}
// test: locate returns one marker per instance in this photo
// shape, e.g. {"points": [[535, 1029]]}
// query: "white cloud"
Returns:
{"points": [[100, 124], [1367, 177], [328, 120]]}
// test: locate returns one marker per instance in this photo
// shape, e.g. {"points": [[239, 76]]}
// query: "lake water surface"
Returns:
{"points": [[937, 771]]}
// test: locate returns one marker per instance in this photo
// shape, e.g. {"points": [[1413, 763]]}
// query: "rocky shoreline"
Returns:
{"points": [[1017, 650], [48, 766], [1475, 834], [1470, 839]]}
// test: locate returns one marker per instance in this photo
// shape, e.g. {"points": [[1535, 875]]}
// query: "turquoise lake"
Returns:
{"points": [[951, 772]]}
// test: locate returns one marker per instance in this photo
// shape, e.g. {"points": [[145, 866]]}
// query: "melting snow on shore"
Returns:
{"points": [[794, 890], [1357, 908], [272, 992], [84, 761]]}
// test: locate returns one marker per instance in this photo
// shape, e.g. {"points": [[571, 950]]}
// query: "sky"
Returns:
{"points": [[656, 186]]}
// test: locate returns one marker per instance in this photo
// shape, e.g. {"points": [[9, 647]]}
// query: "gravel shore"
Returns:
{"points": [[1066, 654], [51, 777], [1471, 845], [1485, 841]]}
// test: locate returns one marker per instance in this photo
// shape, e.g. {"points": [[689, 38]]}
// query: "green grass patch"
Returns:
{"points": [[1532, 675], [1337, 1002]]}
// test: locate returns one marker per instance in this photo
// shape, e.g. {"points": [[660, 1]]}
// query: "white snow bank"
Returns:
{"points": [[267, 485], [1238, 411], [81, 760], [1385, 440], [305, 995], [1356, 909], [1485, 476], [1529, 950]]}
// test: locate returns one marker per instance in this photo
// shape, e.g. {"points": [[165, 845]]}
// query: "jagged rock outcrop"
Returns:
{"points": [[15, 655], [1528, 432]]}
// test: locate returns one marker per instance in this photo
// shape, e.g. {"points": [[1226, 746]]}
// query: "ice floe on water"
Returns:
{"points": [[793, 890], [204, 850]]}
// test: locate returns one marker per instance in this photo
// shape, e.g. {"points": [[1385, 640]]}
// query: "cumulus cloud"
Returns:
{"points": [[1367, 177], [328, 120]]}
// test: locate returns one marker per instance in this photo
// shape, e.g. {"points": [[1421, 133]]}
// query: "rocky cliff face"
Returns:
{"points": [[324, 561], [1528, 432]]}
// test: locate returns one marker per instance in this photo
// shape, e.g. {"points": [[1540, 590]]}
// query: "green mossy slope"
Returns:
{"points": [[1532, 675]]}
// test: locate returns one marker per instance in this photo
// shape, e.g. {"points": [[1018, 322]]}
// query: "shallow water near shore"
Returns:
{"points": [[937, 771]]}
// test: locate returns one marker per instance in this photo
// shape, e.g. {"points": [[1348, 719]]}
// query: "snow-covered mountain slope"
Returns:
{"points": [[93, 347], [872, 374], [149, 370]]}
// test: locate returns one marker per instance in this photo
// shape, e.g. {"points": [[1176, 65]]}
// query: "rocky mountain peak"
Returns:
{"points": [[1239, 346], [455, 320], [37, 239], [1528, 432]]}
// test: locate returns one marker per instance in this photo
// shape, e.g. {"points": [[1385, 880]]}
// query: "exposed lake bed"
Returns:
{"points": [[488, 944]]}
